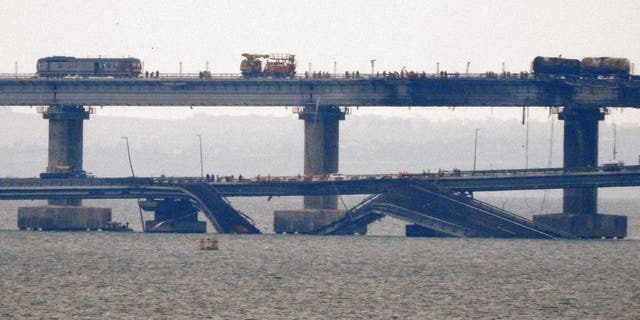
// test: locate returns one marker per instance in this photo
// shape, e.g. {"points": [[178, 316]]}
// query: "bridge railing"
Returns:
{"points": [[299, 76], [17, 75]]}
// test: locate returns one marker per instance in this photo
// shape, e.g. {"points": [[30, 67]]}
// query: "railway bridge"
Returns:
{"points": [[322, 104]]}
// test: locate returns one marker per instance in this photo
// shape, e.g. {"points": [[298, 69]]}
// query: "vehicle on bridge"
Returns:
{"points": [[605, 66], [60, 67], [278, 65], [552, 67]]}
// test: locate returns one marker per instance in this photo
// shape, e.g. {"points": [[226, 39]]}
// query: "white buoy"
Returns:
{"points": [[208, 244]]}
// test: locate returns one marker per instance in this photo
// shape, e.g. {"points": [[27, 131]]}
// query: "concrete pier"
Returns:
{"points": [[65, 142], [580, 215], [580, 153], [65, 155], [321, 141], [173, 216], [63, 218]]}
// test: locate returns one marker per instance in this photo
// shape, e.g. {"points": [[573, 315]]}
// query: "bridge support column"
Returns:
{"points": [[173, 216], [65, 157], [65, 143], [579, 215], [321, 141]]}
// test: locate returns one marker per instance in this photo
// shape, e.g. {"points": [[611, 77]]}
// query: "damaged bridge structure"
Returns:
{"points": [[435, 204], [439, 212], [321, 104]]}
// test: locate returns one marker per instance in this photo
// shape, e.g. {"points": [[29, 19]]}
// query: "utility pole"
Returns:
{"points": [[615, 151], [475, 150], [201, 164]]}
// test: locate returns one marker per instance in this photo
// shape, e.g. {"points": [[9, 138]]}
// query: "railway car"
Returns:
{"points": [[606, 67], [550, 66], [60, 67]]}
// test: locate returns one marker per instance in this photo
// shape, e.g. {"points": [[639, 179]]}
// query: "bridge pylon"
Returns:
{"points": [[321, 155], [64, 161], [580, 215]]}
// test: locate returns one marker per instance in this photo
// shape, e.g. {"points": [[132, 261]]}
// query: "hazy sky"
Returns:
{"points": [[415, 34]]}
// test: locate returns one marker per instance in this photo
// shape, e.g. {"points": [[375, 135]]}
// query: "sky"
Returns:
{"points": [[412, 34]]}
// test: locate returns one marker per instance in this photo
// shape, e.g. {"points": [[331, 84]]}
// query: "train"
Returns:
{"points": [[591, 67], [60, 67], [278, 65]]}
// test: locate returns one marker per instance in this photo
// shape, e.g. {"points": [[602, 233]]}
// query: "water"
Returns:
{"points": [[98, 275], [134, 276]]}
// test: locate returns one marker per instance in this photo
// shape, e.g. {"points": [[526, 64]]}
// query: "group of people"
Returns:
{"points": [[204, 75], [317, 75], [215, 178], [152, 75], [506, 75]]}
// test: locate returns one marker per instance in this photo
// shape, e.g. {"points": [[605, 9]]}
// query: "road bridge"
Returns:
{"points": [[455, 213], [322, 103], [281, 186]]}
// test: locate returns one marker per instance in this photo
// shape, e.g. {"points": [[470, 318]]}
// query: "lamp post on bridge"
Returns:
{"points": [[201, 164], [475, 149], [373, 62], [129, 155]]}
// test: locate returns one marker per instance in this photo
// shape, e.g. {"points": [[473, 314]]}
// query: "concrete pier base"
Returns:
{"points": [[414, 230], [585, 226], [306, 221], [175, 226], [63, 218], [173, 216]]}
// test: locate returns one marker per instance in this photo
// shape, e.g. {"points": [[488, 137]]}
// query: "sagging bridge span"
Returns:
{"points": [[226, 219]]}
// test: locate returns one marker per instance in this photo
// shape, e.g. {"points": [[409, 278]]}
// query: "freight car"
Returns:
{"points": [[60, 67], [605, 66], [281, 65], [550, 67]]}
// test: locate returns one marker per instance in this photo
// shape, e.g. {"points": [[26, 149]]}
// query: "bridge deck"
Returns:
{"points": [[495, 180], [431, 90]]}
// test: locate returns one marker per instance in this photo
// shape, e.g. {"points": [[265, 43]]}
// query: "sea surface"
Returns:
{"points": [[100, 275]]}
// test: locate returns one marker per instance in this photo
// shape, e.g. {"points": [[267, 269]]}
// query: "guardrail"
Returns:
{"points": [[299, 76], [453, 174], [315, 76]]}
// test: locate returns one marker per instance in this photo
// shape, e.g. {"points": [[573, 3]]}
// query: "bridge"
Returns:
{"points": [[321, 103], [432, 90], [225, 219], [282, 186]]}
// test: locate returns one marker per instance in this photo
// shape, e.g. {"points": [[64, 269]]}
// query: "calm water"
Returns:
{"points": [[138, 276]]}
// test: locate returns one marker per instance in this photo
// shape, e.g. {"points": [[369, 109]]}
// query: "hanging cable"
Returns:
{"points": [[549, 161], [141, 217]]}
